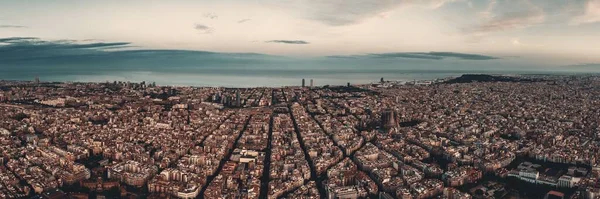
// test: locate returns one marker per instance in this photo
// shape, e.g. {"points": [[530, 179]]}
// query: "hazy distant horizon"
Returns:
{"points": [[245, 81], [28, 58], [85, 61]]}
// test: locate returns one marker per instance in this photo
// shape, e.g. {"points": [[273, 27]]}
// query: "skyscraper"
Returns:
{"points": [[238, 100], [303, 82], [311, 82], [389, 119]]}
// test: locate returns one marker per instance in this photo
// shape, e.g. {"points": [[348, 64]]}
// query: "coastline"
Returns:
{"points": [[254, 81]]}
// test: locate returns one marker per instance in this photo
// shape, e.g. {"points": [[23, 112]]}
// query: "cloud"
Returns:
{"points": [[29, 51], [30, 48], [488, 12], [288, 41], [435, 4], [11, 40], [508, 16], [422, 55], [406, 55], [244, 20], [342, 57], [516, 42], [591, 13], [509, 22], [211, 15], [339, 13], [348, 12], [12, 26], [203, 28], [585, 66], [35, 43], [460, 55]]}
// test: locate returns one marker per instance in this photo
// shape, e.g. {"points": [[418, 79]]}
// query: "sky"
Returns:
{"points": [[543, 32]]}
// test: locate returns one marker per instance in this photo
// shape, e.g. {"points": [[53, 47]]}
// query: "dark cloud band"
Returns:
{"points": [[423, 55], [203, 28], [12, 26], [288, 41]]}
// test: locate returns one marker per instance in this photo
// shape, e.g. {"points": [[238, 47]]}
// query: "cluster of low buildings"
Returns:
{"points": [[390, 140], [10, 186], [461, 175], [345, 180], [321, 149], [132, 173], [47, 168], [537, 174], [307, 191], [289, 168], [241, 175], [239, 178]]}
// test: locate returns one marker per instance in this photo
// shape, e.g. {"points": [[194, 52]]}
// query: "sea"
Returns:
{"points": [[249, 70], [261, 78]]}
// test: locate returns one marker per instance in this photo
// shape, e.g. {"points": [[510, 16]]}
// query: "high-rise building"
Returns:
{"points": [[389, 119], [37, 80], [311, 82], [303, 82], [238, 100]]}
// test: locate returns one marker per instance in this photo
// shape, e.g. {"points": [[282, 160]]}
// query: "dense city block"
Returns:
{"points": [[470, 137]]}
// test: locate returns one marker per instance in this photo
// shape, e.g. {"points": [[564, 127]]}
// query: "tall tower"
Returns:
{"points": [[238, 100], [389, 119], [311, 82], [303, 82]]}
